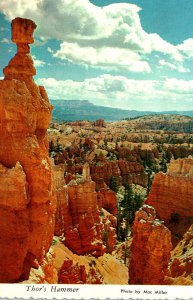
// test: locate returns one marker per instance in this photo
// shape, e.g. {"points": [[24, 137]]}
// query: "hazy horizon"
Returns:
{"points": [[52, 100]]}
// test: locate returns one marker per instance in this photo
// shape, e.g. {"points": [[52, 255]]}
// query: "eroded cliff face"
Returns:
{"points": [[131, 172], [107, 199], [150, 248], [171, 195], [27, 203]]}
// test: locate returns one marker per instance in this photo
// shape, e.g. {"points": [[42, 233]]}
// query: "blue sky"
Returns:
{"points": [[135, 54]]}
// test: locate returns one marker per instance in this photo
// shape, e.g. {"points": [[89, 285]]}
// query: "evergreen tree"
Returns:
{"points": [[149, 179], [51, 146], [126, 211], [113, 184], [163, 163], [58, 147]]}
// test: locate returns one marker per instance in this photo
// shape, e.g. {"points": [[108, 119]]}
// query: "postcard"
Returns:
{"points": [[96, 149]]}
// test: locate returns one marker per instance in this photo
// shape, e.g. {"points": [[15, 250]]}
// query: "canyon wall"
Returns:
{"points": [[171, 194], [27, 203]]}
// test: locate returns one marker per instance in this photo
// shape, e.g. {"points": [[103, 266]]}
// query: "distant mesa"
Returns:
{"points": [[64, 110]]}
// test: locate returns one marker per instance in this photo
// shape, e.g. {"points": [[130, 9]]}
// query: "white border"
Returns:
{"points": [[79, 291]]}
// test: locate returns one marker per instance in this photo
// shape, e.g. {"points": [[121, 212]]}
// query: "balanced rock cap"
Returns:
{"points": [[22, 31]]}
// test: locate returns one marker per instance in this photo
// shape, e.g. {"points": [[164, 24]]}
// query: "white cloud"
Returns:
{"points": [[38, 62], [179, 86], [160, 45], [50, 50], [5, 40], [104, 57], [177, 66], [186, 47], [101, 37], [119, 91]]}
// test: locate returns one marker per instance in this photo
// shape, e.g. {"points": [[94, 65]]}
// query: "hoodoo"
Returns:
{"points": [[27, 203], [150, 248]]}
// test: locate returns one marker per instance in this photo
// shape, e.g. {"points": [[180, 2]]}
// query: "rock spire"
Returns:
{"points": [[27, 202], [150, 249]]}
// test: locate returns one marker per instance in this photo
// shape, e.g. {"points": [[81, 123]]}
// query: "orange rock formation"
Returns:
{"points": [[71, 273], [27, 202], [171, 195], [99, 123], [181, 264], [107, 199], [78, 217], [131, 172], [150, 249]]}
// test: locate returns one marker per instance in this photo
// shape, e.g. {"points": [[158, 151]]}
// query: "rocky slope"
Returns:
{"points": [[88, 269], [27, 206]]}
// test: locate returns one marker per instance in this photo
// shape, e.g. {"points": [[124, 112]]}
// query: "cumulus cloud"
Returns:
{"points": [[187, 47], [179, 86], [107, 37], [105, 57], [119, 91]]}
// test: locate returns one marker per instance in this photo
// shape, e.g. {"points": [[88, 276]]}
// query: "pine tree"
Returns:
{"points": [[127, 204], [113, 184], [126, 211]]}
